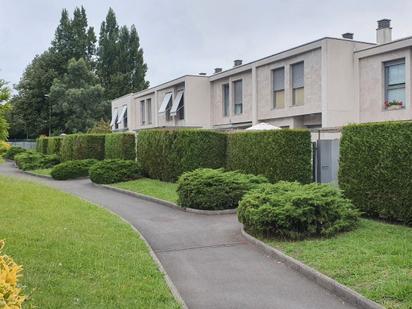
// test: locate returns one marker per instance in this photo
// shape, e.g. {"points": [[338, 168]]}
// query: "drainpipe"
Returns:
{"points": [[254, 97]]}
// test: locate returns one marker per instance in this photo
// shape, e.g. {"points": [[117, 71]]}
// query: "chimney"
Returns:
{"points": [[202, 74], [348, 35], [218, 70], [384, 31], [237, 62]]}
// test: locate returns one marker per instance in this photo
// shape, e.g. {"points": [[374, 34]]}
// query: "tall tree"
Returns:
{"points": [[79, 97], [121, 66], [5, 93]]}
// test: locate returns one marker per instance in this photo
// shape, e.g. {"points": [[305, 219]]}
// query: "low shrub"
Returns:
{"points": [[111, 171], [12, 151], [276, 154], [4, 146], [54, 144], [11, 295], [72, 169], [214, 189], [294, 211], [166, 154], [375, 169], [32, 160], [120, 146]]}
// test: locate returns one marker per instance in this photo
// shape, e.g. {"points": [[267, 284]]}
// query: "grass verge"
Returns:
{"points": [[374, 260], [152, 187], [76, 254], [43, 172]]}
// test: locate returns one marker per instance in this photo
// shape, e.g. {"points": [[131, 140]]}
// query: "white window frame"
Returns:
{"points": [[176, 103], [121, 116], [387, 86], [114, 117], [166, 100]]}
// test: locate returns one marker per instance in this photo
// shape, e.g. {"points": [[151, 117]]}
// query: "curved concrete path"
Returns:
{"points": [[206, 257]]}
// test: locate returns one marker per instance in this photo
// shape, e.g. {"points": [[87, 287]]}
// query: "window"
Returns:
{"points": [[178, 106], [298, 94], [122, 117], [238, 97], [395, 84], [113, 123], [149, 111], [225, 96], [142, 113], [166, 101], [279, 88]]}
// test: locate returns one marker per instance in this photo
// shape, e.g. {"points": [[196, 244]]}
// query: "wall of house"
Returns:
{"points": [[216, 99], [131, 117], [138, 116], [197, 102], [312, 88], [338, 82], [371, 87]]}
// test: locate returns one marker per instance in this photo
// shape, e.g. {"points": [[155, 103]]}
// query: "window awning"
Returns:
{"points": [[176, 103], [121, 116], [165, 102], [114, 117]]}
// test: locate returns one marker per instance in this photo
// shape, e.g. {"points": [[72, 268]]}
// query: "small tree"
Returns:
{"points": [[102, 126], [4, 97]]}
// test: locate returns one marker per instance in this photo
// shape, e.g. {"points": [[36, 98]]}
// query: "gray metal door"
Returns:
{"points": [[327, 160]]}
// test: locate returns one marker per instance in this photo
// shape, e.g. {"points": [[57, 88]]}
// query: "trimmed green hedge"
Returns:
{"points": [[41, 144], [276, 154], [120, 146], [112, 171], [82, 146], [166, 154], [54, 145], [375, 169], [214, 189], [72, 169], [295, 211]]}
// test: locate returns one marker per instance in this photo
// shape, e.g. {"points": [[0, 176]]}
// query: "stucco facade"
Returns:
{"points": [[326, 83]]}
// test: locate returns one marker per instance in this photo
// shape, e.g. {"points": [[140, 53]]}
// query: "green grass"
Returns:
{"points": [[374, 260], [44, 172], [76, 254], [156, 188], [1, 160]]}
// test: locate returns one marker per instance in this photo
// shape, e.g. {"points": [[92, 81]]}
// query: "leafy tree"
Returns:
{"points": [[79, 97], [4, 97], [120, 64], [102, 126]]}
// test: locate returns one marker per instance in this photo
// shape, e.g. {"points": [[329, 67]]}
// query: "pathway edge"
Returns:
{"points": [[324, 281]]}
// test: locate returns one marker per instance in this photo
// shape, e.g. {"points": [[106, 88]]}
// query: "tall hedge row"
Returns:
{"points": [[276, 154], [165, 153], [375, 169], [83, 146], [54, 144], [42, 144], [120, 146]]}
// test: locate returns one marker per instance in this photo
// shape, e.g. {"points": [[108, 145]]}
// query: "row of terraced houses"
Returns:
{"points": [[326, 83]]}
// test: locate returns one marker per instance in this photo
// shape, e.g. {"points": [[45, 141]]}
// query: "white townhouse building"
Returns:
{"points": [[326, 83]]}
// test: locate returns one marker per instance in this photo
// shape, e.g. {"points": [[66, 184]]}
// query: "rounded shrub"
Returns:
{"points": [[111, 171], [4, 146], [294, 211], [32, 160], [12, 151], [214, 189], [72, 169]]}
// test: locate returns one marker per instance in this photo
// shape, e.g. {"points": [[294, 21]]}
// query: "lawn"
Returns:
{"points": [[152, 187], [76, 254], [44, 172], [1, 160], [374, 260]]}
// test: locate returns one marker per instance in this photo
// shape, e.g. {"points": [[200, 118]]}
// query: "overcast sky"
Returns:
{"points": [[191, 36]]}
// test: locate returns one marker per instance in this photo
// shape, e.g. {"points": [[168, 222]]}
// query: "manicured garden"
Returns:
{"points": [[76, 254], [375, 260]]}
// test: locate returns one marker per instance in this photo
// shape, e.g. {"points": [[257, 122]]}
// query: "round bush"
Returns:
{"points": [[294, 211], [72, 169], [111, 171], [11, 152], [214, 189], [32, 160]]}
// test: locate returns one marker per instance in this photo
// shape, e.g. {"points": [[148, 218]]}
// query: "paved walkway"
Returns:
{"points": [[206, 257]]}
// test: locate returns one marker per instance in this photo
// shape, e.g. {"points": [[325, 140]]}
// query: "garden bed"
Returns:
{"points": [[374, 260], [75, 254]]}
